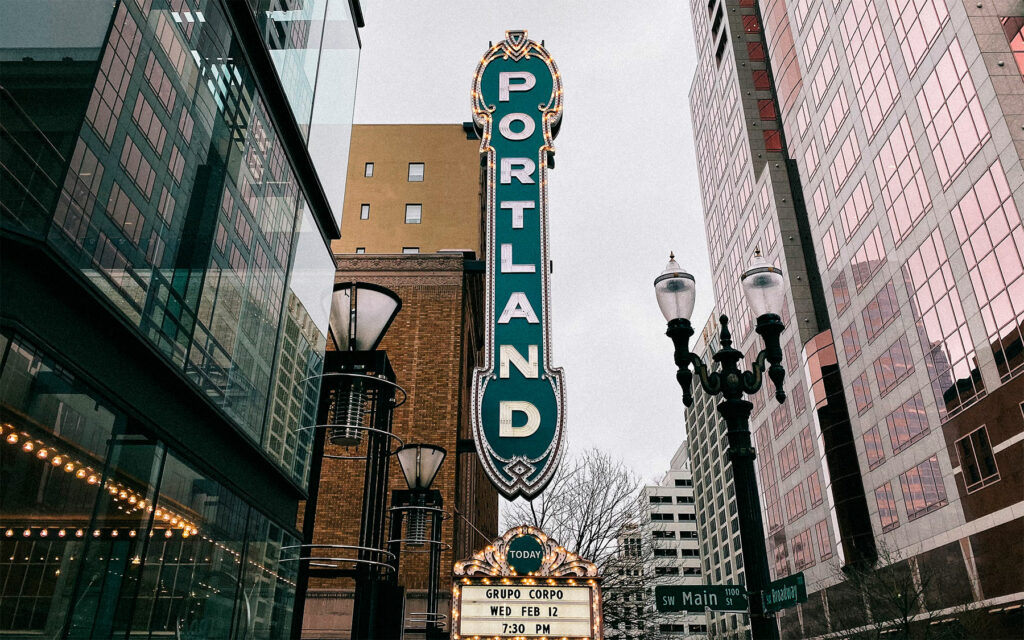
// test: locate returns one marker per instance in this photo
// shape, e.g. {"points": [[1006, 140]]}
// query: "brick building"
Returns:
{"points": [[433, 344]]}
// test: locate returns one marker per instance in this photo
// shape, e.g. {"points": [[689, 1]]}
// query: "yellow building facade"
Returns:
{"points": [[412, 188]]}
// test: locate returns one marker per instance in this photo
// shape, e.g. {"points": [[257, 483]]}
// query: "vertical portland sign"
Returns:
{"points": [[518, 397]]}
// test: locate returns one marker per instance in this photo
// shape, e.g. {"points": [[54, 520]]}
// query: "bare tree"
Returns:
{"points": [[592, 508], [896, 599]]}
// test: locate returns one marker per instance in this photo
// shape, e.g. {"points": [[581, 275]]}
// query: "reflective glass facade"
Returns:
{"points": [[162, 180], [155, 173], [108, 532]]}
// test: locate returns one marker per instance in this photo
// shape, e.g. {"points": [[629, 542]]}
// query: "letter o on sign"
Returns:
{"points": [[505, 126]]}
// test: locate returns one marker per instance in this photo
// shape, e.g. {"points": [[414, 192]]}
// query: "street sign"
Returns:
{"points": [[782, 594], [526, 585], [697, 598], [518, 403]]}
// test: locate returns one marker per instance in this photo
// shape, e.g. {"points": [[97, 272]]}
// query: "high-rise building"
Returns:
{"points": [[714, 493], [433, 345], [871, 148], [166, 280], [672, 536]]}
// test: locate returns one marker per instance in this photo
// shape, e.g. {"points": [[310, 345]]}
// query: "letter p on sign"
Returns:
{"points": [[505, 85]]}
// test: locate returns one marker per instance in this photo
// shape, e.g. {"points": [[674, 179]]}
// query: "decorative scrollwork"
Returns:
{"points": [[557, 561]]}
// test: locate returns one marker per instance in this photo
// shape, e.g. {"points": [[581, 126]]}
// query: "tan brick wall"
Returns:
{"points": [[433, 345]]}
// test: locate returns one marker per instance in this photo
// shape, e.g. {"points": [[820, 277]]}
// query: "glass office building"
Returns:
{"points": [[166, 288]]}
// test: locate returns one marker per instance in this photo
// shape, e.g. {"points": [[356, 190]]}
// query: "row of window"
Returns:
{"points": [[668, 499], [404, 249], [415, 171], [670, 517], [413, 213]]}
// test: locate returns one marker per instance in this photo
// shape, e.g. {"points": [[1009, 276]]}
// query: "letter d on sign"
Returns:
{"points": [[507, 408]]}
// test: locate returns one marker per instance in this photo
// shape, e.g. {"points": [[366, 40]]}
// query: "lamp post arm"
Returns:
{"points": [[680, 330]]}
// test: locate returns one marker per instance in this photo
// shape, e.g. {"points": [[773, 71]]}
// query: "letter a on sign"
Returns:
{"points": [[518, 396]]}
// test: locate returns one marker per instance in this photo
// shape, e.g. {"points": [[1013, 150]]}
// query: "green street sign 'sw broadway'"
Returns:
{"points": [[518, 397]]}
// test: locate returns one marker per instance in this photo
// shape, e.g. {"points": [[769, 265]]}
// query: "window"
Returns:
{"points": [[360, 249], [697, 628], [663, 534], [665, 553], [772, 140], [1013, 28], [841, 293], [887, 515], [835, 116], [862, 393], [825, 75], [413, 213], [988, 225], [831, 245], [769, 482], [666, 571], [806, 442], [873, 447], [904, 191], [813, 37], [949, 355], [788, 461], [803, 550], [917, 23], [368, 170], [661, 499], [893, 366], [799, 396], [923, 491], [766, 109], [410, 249], [868, 259], [664, 517], [856, 208], [415, 172], [869, 62], [814, 488], [364, 211], [684, 482], [820, 200], [796, 506], [907, 424], [781, 419], [851, 342], [687, 517], [824, 541], [880, 311], [952, 114], [684, 499], [976, 459]]}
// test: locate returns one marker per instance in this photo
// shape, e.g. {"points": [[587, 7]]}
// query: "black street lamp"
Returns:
{"points": [[357, 397], [420, 464], [764, 289]]}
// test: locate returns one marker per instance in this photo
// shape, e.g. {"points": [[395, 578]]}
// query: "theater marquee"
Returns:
{"points": [[518, 397], [525, 585]]}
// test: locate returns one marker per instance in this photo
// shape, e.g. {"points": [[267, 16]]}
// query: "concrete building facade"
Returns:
{"points": [[873, 150], [672, 535]]}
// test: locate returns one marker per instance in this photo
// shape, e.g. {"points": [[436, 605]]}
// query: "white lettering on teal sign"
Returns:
{"points": [[518, 397]]}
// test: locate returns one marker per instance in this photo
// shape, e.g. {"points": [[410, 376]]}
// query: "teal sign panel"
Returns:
{"points": [[518, 397], [525, 554], [698, 598], [784, 593]]}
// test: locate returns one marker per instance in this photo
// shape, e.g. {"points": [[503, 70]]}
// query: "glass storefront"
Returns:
{"points": [[107, 532], [140, 149]]}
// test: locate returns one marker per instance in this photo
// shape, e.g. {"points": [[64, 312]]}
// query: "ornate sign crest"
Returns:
{"points": [[518, 397], [561, 598]]}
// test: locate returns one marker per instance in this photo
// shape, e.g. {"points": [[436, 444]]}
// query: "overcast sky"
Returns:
{"points": [[623, 195]]}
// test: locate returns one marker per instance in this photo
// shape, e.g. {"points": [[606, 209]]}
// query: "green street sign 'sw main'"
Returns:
{"points": [[697, 598], [518, 397]]}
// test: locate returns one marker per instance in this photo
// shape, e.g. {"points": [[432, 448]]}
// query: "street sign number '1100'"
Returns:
{"points": [[518, 397]]}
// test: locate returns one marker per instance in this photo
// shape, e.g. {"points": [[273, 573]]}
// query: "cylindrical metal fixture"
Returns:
{"points": [[417, 533], [347, 412]]}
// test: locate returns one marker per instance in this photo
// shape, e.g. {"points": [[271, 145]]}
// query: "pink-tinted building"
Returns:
{"points": [[872, 150]]}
